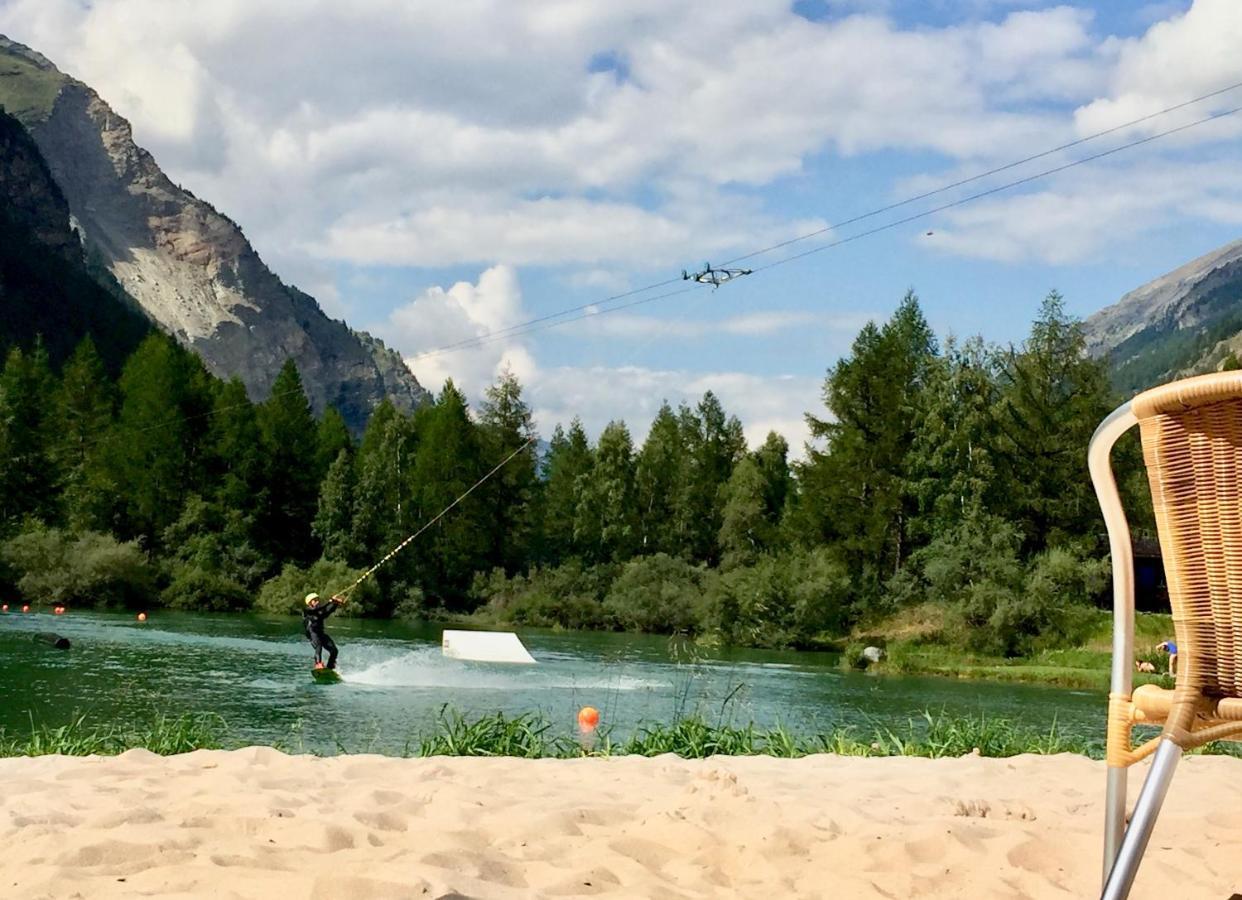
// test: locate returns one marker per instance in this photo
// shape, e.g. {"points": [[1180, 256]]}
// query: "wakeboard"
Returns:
{"points": [[325, 676]]}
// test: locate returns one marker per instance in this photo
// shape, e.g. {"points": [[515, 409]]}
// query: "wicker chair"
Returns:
{"points": [[1192, 447]]}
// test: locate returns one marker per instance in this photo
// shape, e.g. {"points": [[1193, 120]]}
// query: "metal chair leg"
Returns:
{"points": [[1114, 816], [1146, 809]]}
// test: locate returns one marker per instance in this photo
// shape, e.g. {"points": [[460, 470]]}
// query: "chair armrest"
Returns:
{"points": [[1121, 550]]}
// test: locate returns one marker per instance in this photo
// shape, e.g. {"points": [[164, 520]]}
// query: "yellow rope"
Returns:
{"points": [[341, 595]]}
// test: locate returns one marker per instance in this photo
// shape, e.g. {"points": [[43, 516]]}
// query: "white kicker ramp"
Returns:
{"points": [[485, 646]]}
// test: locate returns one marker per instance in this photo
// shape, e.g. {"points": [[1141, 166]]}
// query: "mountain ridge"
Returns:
{"points": [[1185, 322], [190, 267]]}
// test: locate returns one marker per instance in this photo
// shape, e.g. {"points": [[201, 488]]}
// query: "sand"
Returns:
{"points": [[257, 823]]}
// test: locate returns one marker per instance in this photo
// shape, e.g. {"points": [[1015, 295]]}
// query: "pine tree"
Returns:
{"points": [[505, 426], [747, 527], [569, 459], [713, 444], [27, 473], [334, 520], [385, 496], [1052, 397], [856, 489], [236, 462], [85, 404], [153, 451], [289, 439], [606, 522], [657, 480], [333, 437], [448, 462]]}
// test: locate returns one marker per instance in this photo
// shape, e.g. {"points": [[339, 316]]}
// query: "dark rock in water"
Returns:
{"points": [[47, 637]]}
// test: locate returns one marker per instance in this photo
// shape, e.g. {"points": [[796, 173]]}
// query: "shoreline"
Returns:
{"points": [[258, 823]]}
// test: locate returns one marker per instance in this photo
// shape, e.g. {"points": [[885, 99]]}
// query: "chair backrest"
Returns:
{"points": [[1192, 446]]}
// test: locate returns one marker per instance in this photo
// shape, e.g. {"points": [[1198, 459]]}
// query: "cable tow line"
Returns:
{"points": [[397, 549]]}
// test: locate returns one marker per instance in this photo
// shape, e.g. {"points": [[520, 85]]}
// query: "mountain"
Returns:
{"points": [[1183, 323], [189, 267], [46, 288]]}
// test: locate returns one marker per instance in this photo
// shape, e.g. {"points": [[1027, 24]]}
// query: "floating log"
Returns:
{"points": [[47, 637]]}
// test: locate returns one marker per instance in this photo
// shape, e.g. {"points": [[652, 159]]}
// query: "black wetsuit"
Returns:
{"points": [[312, 621]]}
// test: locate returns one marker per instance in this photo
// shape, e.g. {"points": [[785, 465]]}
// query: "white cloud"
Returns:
{"points": [[436, 134], [598, 394], [757, 324], [438, 318]]}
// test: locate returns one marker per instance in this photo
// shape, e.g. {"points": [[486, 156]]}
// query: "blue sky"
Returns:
{"points": [[434, 172]]}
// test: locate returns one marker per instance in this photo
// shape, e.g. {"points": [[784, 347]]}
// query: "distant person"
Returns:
{"points": [[1170, 648], [312, 622]]}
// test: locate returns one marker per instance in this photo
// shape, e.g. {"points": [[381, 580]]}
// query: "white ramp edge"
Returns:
{"points": [[485, 646]]}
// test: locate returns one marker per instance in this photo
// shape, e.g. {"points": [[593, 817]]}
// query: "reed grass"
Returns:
{"points": [[530, 736]]}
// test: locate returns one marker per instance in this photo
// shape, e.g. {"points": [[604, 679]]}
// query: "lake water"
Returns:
{"points": [[254, 672]]}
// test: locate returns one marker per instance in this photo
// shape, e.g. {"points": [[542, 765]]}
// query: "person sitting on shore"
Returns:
{"points": [[312, 623], [1170, 648]]}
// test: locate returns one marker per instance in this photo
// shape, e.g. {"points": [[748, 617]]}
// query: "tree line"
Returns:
{"points": [[947, 474]]}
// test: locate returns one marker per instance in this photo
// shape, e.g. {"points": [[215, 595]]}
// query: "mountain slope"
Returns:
{"points": [[189, 267], [46, 290], [1183, 323]]}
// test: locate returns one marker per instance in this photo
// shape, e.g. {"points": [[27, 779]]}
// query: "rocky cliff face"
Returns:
{"points": [[189, 267], [46, 290], [1183, 323]]}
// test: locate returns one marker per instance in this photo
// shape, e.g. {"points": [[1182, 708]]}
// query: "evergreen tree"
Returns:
{"points": [[333, 437], [855, 490], [334, 520], [151, 455], [569, 460], [85, 405], [27, 474], [657, 481], [747, 528], [606, 522], [713, 444], [383, 510], [236, 462], [448, 462], [772, 460], [1052, 398], [952, 470], [289, 440], [505, 426]]}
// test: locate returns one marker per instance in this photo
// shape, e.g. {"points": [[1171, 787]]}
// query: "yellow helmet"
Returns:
{"points": [[311, 597]]}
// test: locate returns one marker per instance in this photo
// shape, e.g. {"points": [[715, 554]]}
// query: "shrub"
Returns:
{"points": [[193, 588], [567, 596], [89, 568], [786, 600], [657, 593], [285, 593]]}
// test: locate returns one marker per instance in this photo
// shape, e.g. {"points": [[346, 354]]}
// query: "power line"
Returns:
{"points": [[591, 309], [587, 311]]}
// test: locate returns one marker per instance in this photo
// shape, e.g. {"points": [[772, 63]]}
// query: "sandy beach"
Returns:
{"points": [[257, 823]]}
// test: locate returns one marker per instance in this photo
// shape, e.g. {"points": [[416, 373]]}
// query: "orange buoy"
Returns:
{"points": [[26, 608], [4, 607], [588, 718], [142, 617], [57, 610]]}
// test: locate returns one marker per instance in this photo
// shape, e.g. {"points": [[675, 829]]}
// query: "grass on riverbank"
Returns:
{"points": [[530, 736], [914, 641]]}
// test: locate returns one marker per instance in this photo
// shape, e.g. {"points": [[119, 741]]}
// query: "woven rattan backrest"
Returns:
{"points": [[1192, 446]]}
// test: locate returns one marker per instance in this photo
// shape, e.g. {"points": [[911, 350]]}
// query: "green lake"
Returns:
{"points": [[254, 672]]}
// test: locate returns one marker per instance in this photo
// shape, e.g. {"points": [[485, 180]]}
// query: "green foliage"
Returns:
{"points": [[606, 519], [27, 477], [286, 592], [657, 474], [657, 594], [289, 438], [748, 525], [567, 596], [568, 463], [165, 735], [789, 600], [87, 569], [195, 589], [509, 496]]}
